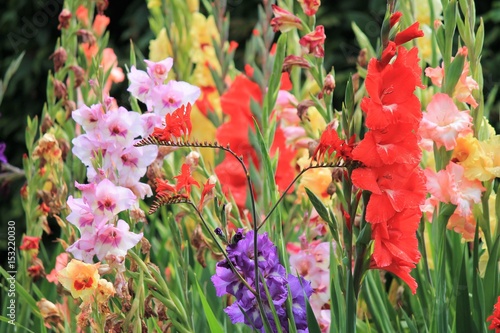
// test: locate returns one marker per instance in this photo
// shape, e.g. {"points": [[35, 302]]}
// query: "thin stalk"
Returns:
{"points": [[289, 186]]}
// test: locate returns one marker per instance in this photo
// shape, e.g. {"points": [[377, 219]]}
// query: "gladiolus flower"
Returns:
{"points": [[100, 24], [313, 42], [450, 186], [284, 21], [310, 7], [79, 278], [494, 319], [30, 243], [443, 122], [408, 34], [293, 60]]}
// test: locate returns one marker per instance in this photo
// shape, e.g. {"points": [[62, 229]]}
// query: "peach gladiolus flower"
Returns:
{"points": [[451, 186], [443, 122], [61, 262], [110, 61], [465, 85], [79, 278], [100, 24], [82, 15]]}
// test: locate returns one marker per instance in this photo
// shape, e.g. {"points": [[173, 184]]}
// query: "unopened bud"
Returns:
{"points": [[328, 84], [355, 82], [60, 90], [87, 36], [362, 58], [145, 245], [59, 57], [302, 108], [101, 5], [79, 75], [192, 159], [47, 123], [293, 60], [64, 18]]}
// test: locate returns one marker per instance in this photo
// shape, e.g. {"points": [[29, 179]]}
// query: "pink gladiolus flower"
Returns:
{"points": [[87, 117], [313, 42], [284, 21], [465, 85], [110, 61], [115, 240], [111, 199], [140, 86], [119, 126], [61, 262], [169, 97], [450, 186], [158, 71], [443, 122], [310, 7]]}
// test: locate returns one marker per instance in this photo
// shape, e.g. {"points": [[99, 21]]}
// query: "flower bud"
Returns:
{"points": [[362, 58], [79, 75], [328, 84], [64, 18], [50, 312], [47, 123], [87, 36], [59, 57], [293, 60], [60, 90], [302, 108]]}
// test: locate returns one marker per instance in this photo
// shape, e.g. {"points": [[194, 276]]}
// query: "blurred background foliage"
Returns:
{"points": [[31, 26]]}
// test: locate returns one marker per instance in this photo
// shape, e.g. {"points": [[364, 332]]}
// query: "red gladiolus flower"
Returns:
{"points": [[391, 90], [394, 188], [394, 144], [285, 172], [178, 124], [328, 143], [408, 34], [233, 180], [30, 243], [495, 317], [185, 180], [395, 17], [313, 42]]}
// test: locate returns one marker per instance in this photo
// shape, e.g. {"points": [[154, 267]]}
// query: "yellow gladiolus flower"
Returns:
{"points": [[160, 48], [79, 278], [480, 159]]}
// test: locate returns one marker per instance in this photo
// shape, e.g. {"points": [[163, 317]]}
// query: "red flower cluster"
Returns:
{"points": [[495, 317], [330, 143], [184, 182], [390, 157], [178, 124], [236, 103]]}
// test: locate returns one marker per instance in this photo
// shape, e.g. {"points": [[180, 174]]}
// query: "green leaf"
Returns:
{"points": [[363, 41], [318, 205], [312, 323], [463, 323], [213, 324], [491, 276], [453, 74], [275, 79]]}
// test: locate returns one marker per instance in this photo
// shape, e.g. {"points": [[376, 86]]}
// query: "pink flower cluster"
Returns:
{"points": [[149, 88], [114, 169], [312, 262]]}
